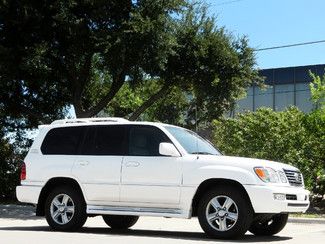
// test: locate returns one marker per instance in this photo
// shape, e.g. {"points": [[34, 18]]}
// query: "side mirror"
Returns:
{"points": [[168, 149]]}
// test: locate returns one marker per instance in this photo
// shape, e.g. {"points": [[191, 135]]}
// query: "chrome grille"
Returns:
{"points": [[294, 177]]}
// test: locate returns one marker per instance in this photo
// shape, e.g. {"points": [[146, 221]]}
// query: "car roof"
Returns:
{"points": [[100, 121]]}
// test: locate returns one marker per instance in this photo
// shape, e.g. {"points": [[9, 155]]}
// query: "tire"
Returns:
{"points": [[270, 227], [65, 209], [120, 222], [235, 213]]}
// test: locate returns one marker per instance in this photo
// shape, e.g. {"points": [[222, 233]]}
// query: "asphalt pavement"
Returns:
{"points": [[19, 225]]}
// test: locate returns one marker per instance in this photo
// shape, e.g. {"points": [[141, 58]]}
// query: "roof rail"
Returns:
{"points": [[88, 120]]}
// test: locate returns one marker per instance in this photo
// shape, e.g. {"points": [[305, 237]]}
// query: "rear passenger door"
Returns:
{"points": [[98, 166], [147, 176], [59, 149]]}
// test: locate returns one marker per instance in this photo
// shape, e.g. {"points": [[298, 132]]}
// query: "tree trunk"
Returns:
{"points": [[116, 86], [155, 97]]}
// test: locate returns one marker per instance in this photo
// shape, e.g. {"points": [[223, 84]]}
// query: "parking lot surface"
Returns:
{"points": [[21, 226]]}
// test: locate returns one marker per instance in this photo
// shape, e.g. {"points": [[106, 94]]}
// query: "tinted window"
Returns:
{"points": [[145, 140], [62, 141], [105, 140], [192, 142]]}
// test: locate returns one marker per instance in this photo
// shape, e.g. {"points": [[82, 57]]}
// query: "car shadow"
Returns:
{"points": [[177, 235], [20, 212]]}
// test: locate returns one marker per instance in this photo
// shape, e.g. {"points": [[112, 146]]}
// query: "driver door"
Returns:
{"points": [[147, 176]]}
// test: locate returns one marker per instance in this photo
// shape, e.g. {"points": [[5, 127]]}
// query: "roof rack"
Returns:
{"points": [[88, 120]]}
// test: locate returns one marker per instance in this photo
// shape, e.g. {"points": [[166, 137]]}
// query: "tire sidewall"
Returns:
{"points": [[80, 215], [245, 213], [120, 221], [279, 222]]}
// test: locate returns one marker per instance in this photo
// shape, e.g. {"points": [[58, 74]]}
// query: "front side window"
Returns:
{"points": [[105, 140], [145, 140], [62, 141], [191, 142]]}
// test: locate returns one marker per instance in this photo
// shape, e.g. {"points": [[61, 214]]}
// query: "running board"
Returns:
{"points": [[115, 210]]}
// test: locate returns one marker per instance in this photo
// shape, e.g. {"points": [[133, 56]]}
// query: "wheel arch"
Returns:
{"points": [[208, 184], [50, 185]]}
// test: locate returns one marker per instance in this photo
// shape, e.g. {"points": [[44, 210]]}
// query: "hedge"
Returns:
{"points": [[289, 136]]}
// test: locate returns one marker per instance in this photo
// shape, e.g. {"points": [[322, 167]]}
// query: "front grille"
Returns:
{"points": [[294, 177]]}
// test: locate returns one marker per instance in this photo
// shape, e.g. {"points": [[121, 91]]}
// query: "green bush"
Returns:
{"points": [[290, 137], [9, 171]]}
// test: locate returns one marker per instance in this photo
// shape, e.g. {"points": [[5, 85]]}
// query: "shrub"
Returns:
{"points": [[290, 137], [9, 171]]}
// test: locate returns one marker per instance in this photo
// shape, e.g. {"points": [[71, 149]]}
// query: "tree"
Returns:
{"points": [[168, 109], [317, 89], [9, 169], [82, 52], [288, 136], [208, 64], [55, 50], [208, 68]]}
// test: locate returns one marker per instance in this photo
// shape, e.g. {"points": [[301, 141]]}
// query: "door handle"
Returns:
{"points": [[83, 163], [132, 164]]}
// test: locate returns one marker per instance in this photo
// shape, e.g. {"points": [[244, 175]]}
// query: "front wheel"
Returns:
{"points": [[269, 227], [120, 222], [225, 213]]}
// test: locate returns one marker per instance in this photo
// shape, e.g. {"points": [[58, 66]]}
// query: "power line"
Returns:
{"points": [[289, 45], [226, 2]]}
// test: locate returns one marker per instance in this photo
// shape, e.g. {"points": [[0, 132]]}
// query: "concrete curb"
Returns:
{"points": [[307, 220]]}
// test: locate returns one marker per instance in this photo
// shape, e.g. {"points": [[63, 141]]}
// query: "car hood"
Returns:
{"points": [[242, 162]]}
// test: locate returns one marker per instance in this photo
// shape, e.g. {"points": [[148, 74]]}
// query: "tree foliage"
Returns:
{"points": [[290, 137], [83, 52], [9, 170], [317, 89]]}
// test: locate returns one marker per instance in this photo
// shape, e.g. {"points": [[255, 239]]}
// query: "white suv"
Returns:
{"points": [[122, 170]]}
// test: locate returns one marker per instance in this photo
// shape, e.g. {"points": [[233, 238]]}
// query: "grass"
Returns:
{"points": [[307, 215]]}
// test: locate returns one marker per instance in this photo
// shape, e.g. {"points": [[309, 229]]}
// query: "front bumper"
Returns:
{"points": [[262, 199], [28, 194]]}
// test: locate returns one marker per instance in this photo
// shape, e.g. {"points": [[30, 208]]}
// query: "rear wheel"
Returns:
{"points": [[225, 213], [120, 221], [270, 226], [65, 209]]}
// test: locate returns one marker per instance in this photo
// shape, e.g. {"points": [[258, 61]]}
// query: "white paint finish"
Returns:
{"points": [[154, 179], [135, 211], [152, 182], [263, 201], [168, 149], [28, 194], [99, 176]]}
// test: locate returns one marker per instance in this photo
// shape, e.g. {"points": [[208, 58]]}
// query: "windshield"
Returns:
{"points": [[192, 142]]}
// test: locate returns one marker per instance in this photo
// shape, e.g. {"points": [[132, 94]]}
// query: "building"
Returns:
{"points": [[285, 87]]}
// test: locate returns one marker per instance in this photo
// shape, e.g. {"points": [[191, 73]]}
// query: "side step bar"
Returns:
{"points": [[114, 210]]}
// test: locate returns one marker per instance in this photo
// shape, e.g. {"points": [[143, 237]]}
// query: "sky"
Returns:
{"points": [[269, 23]]}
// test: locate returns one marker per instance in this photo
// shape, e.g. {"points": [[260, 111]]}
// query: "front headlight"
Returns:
{"points": [[283, 177], [267, 174]]}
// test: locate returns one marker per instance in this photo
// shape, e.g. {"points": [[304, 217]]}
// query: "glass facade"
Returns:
{"points": [[285, 87]]}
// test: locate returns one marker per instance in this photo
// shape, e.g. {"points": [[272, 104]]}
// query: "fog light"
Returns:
{"points": [[279, 196]]}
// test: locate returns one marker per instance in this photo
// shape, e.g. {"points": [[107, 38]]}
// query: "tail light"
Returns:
{"points": [[23, 172]]}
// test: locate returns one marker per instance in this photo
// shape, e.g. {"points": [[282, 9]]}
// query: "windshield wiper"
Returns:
{"points": [[203, 153]]}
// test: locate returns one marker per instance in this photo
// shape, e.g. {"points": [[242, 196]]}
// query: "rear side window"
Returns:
{"points": [[64, 141], [105, 140]]}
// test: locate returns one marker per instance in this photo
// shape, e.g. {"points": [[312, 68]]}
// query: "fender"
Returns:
{"points": [[242, 176]]}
